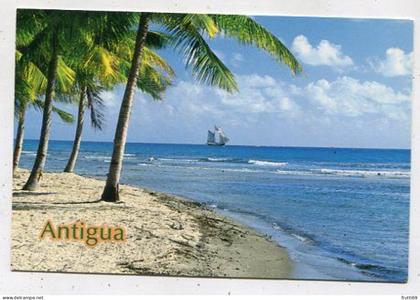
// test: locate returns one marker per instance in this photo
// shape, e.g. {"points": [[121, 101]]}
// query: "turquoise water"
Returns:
{"points": [[342, 213]]}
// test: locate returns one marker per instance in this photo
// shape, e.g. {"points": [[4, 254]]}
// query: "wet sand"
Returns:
{"points": [[166, 235]]}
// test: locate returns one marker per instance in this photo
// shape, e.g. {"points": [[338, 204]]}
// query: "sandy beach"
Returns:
{"points": [[166, 235]]}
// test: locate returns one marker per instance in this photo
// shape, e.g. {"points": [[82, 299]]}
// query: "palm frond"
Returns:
{"points": [[64, 116], [65, 75], [157, 40], [151, 58], [203, 22], [96, 106], [206, 67], [153, 82], [246, 30]]}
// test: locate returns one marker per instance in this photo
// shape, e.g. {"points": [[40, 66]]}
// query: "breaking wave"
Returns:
{"points": [[366, 173], [266, 163], [216, 159], [29, 153], [97, 157], [346, 173]]}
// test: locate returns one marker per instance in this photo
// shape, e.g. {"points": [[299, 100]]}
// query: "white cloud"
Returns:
{"points": [[258, 94], [269, 111], [350, 97], [396, 63], [264, 95], [326, 53]]}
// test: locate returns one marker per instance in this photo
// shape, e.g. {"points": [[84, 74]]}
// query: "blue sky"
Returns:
{"points": [[355, 91]]}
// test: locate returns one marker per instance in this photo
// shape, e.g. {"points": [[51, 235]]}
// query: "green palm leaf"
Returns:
{"points": [[206, 67], [247, 31], [63, 115]]}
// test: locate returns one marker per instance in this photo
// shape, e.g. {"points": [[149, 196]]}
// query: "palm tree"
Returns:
{"points": [[20, 111], [60, 38], [29, 79], [111, 191], [20, 114], [188, 34], [52, 32], [103, 68], [96, 123], [30, 84]]}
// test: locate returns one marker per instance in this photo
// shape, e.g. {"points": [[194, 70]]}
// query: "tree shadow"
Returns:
{"points": [[48, 205], [23, 194], [58, 203]]}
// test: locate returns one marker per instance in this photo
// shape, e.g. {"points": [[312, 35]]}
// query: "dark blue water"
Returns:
{"points": [[342, 213]]}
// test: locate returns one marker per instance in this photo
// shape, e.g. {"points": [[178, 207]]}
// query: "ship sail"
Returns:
{"points": [[211, 137], [223, 138], [217, 138]]}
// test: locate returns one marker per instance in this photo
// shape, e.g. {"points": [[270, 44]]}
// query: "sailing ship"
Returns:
{"points": [[217, 137]]}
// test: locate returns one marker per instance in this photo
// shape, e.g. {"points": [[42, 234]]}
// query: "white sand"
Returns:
{"points": [[166, 235]]}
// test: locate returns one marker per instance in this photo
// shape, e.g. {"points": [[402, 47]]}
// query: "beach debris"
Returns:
{"points": [[176, 226]]}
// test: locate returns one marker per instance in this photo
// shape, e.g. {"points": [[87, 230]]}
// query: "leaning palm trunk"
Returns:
{"points": [[19, 139], [111, 190], [78, 136], [41, 155]]}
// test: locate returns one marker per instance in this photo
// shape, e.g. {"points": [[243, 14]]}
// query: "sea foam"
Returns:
{"points": [[266, 163], [364, 173]]}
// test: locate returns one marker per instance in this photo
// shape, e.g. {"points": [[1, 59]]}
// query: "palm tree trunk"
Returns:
{"points": [[78, 136], [41, 155], [19, 139], [111, 190]]}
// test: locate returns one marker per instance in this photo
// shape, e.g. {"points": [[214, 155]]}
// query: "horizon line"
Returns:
{"points": [[235, 145]]}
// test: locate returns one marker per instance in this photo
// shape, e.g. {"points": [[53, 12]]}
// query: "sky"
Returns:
{"points": [[355, 91]]}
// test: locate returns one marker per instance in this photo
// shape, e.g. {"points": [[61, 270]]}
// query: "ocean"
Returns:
{"points": [[343, 214]]}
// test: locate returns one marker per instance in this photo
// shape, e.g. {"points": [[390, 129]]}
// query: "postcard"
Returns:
{"points": [[212, 145]]}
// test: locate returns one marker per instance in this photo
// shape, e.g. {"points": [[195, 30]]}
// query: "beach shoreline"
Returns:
{"points": [[166, 234]]}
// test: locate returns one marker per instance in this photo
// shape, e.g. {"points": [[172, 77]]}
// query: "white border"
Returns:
{"points": [[49, 283]]}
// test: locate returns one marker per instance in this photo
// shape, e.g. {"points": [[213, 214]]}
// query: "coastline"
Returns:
{"points": [[166, 234]]}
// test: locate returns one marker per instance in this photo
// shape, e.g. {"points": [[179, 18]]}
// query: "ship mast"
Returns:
{"points": [[217, 140]]}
